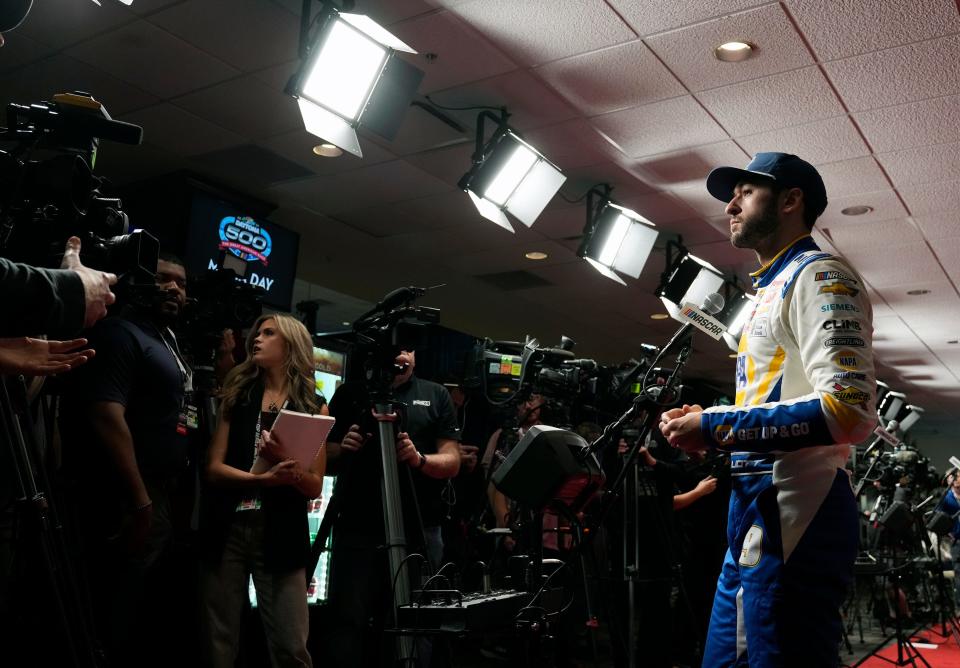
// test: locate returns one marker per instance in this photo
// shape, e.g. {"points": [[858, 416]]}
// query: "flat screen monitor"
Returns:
{"points": [[261, 252]]}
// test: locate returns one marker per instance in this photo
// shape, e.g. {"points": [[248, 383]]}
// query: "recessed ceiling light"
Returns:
{"points": [[734, 52], [327, 151], [733, 356], [536, 255], [346, 323], [659, 316], [914, 293], [856, 210]]}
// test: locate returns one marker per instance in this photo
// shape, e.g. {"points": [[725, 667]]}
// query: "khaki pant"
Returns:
{"points": [[281, 599]]}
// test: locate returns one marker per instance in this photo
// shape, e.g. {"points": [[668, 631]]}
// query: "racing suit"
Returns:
{"points": [[805, 391]]}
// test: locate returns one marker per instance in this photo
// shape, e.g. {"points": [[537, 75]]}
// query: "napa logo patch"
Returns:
{"points": [[246, 239], [723, 434], [846, 360], [752, 548]]}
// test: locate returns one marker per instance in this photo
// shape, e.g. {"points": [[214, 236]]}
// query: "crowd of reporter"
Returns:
{"points": [[164, 525]]}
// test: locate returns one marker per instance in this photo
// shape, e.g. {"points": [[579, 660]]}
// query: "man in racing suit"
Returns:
{"points": [[805, 391]]}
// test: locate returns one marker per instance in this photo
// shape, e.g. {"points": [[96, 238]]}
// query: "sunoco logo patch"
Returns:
{"points": [[723, 434], [244, 238], [850, 395]]}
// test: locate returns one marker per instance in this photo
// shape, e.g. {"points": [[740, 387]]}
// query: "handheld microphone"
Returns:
{"points": [[712, 304], [892, 426]]}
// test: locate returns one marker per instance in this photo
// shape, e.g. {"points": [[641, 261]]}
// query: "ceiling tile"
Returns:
{"points": [[563, 223], [902, 74], [379, 184], [433, 212], [511, 258], [245, 106], [18, 50], [278, 76], [689, 167], [697, 198], [849, 235], [885, 203], [531, 103], [660, 208], [297, 146], [851, 177], [59, 73], [778, 101], [582, 25], [123, 163], [695, 231], [570, 144], [148, 57], [923, 165], [938, 226], [929, 198], [819, 142], [462, 55], [841, 29], [689, 52], [420, 131], [180, 132], [659, 127], [248, 34], [911, 124], [921, 313], [59, 23], [895, 264], [625, 184], [948, 250], [447, 163], [618, 77], [648, 18]]}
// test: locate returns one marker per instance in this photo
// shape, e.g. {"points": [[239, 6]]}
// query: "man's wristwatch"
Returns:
{"points": [[423, 460]]}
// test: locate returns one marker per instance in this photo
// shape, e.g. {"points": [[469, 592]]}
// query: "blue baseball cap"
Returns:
{"points": [[787, 170]]}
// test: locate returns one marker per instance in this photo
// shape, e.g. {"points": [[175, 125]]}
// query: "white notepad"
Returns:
{"points": [[302, 434]]}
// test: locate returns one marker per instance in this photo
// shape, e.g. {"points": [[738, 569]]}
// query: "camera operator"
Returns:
{"points": [[57, 302], [426, 446], [125, 434]]}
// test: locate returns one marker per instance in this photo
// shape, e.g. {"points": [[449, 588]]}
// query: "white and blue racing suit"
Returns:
{"points": [[805, 391]]}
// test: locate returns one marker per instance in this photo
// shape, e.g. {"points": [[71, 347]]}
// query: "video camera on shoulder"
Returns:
{"points": [[48, 191]]}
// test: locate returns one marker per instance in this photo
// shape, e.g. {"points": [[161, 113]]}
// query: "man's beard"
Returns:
{"points": [[757, 228]]}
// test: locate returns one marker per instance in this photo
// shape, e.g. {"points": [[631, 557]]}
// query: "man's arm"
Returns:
{"points": [[41, 301], [110, 426], [829, 315]]}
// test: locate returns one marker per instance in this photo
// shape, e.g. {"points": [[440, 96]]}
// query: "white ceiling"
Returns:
{"points": [[619, 91]]}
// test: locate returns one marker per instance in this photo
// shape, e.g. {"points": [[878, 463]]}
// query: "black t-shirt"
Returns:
{"points": [[133, 367], [428, 416]]}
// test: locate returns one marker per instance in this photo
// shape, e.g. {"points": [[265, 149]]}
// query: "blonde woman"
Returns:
{"points": [[256, 523]]}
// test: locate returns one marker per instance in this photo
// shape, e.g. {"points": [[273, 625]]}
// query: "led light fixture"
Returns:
{"points": [[509, 176], [687, 278], [615, 239], [914, 413], [350, 77], [738, 305]]}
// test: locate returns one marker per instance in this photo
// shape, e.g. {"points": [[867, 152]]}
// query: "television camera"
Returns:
{"points": [[48, 191]]}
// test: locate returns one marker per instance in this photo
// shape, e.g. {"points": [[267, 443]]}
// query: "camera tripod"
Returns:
{"points": [[69, 613]]}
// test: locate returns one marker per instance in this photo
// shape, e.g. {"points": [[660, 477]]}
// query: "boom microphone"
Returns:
{"points": [[712, 304]]}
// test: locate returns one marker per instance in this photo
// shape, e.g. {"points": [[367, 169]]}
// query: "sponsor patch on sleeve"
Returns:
{"points": [[833, 276], [849, 341], [850, 395], [839, 289]]}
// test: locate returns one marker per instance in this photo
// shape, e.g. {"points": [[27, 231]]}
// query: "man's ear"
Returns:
{"points": [[792, 201]]}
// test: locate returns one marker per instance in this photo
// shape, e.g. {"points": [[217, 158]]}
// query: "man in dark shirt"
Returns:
{"points": [[125, 442], [427, 455]]}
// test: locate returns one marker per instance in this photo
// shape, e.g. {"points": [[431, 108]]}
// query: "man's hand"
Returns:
{"points": [[407, 451], [353, 440], [648, 459], [39, 357], [681, 427], [468, 457], [96, 284], [706, 486]]}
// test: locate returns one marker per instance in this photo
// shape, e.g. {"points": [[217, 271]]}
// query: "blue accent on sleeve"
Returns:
{"points": [[796, 272], [765, 429]]}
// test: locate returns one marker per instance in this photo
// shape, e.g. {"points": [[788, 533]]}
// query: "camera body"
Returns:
{"points": [[48, 191]]}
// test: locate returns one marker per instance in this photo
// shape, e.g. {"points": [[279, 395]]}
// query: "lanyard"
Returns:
{"points": [[186, 374]]}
